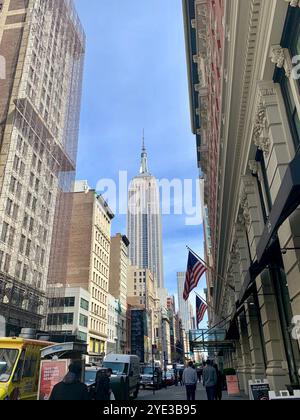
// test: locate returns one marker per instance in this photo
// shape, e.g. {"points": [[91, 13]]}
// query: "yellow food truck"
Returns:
{"points": [[19, 368]]}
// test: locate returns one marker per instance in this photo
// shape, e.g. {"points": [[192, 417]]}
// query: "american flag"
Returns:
{"points": [[195, 270], [201, 308]]}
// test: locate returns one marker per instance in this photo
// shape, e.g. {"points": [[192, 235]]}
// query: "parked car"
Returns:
{"points": [[151, 377], [90, 379], [127, 368], [170, 377]]}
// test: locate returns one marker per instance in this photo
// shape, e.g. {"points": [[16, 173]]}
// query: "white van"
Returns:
{"points": [[127, 366]]}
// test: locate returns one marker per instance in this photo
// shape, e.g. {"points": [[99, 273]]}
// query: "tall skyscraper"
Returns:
{"points": [[42, 43], [184, 306], [144, 222]]}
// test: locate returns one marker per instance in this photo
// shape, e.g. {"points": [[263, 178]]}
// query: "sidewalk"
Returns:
{"points": [[179, 394]]}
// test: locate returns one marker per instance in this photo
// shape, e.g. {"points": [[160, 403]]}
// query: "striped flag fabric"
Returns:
{"points": [[195, 270], [201, 308]]}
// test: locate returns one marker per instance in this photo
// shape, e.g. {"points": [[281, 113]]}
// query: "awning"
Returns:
{"points": [[288, 199], [254, 271], [233, 330], [66, 350]]}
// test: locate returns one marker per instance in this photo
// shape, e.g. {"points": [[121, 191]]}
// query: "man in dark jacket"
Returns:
{"points": [[71, 388], [210, 380], [219, 386], [103, 389]]}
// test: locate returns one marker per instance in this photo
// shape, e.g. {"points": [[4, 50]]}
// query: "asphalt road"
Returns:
{"points": [[178, 393]]}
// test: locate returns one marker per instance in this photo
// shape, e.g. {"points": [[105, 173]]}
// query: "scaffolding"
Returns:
{"points": [[45, 115]]}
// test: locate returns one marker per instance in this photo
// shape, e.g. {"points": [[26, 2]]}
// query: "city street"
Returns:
{"points": [[178, 394], [149, 202]]}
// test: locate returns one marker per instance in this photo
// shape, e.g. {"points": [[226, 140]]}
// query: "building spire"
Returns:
{"points": [[144, 158]]}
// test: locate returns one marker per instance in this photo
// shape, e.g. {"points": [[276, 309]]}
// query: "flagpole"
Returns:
{"points": [[219, 323], [203, 300], [210, 268]]}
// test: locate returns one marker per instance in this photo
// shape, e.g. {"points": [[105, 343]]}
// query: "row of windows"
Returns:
{"points": [[60, 319], [98, 295], [101, 254], [140, 274], [100, 281], [98, 310], [39, 149], [12, 209], [68, 302], [141, 294], [102, 241], [100, 267], [22, 271], [141, 281], [98, 326]]}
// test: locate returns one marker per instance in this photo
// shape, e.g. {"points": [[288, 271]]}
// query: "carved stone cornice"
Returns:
{"points": [[254, 167], [260, 130], [293, 3], [280, 57]]}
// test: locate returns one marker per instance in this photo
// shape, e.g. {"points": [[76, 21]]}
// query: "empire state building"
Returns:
{"points": [[144, 222]]}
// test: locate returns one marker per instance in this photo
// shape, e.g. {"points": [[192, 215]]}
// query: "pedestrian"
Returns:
{"points": [[190, 380], [199, 373], [176, 377], [103, 390], [219, 386], [210, 380], [180, 377], [71, 388]]}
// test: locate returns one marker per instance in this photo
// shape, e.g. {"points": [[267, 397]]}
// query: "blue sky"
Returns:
{"points": [[135, 77]]}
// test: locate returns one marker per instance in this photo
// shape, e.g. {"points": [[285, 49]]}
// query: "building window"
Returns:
{"points": [[84, 304], [68, 302], [291, 36], [291, 41], [82, 336], [60, 319], [291, 108], [4, 232], [83, 321]]}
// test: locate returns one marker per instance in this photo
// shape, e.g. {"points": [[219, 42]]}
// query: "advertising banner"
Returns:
{"points": [[259, 390], [233, 387], [51, 373]]}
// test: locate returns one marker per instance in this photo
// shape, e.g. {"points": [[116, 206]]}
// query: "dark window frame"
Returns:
{"points": [[289, 41]]}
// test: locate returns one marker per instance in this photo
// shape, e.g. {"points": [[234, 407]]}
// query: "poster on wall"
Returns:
{"points": [[233, 387], [259, 390], [51, 373]]}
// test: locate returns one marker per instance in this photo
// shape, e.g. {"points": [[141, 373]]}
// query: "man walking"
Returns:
{"points": [[210, 381], [190, 380]]}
